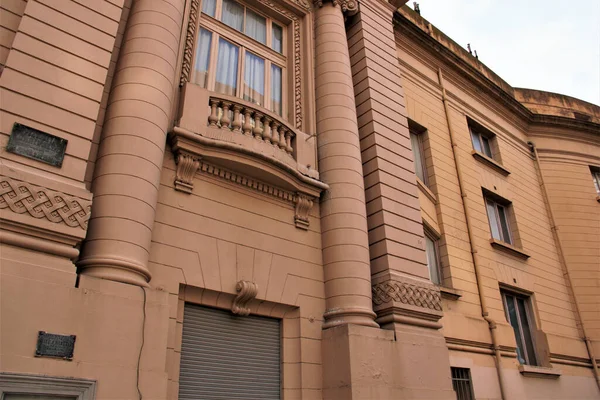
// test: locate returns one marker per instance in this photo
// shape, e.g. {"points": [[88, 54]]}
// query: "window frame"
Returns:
{"points": [[530, 359], [245, 43], [595, 171], [483, 135], [430, 234], [471, 393], [15, 383], [506, 206], [419, 132]]}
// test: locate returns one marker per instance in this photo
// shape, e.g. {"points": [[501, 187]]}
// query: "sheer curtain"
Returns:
{"points": [[254, 79], [227, 66], [276, 89], [233, 14], [432, 260], [256, 26], [202, 58], [277, 38], [418, 154], [209, 7]]}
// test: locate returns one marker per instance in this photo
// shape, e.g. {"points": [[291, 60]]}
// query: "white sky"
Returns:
{"points": [[548, 45]]}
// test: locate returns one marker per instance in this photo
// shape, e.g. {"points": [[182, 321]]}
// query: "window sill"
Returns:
{"points": [[490, 162], [598, 198], [449, 293], [539, 372], [500, 245], [426, 191]]}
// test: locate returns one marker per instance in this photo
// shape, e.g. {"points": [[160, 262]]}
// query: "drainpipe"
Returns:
{"points": [[475, 257], [563, 261]]}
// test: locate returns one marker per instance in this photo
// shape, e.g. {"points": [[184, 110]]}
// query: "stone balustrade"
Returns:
{"points": [[241, 117]]}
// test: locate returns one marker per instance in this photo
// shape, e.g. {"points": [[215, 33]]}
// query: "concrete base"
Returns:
{"points": [[368, 363]]}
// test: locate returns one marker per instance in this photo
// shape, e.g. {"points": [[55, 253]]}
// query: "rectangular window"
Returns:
{"points": [[256, 26], [254, 79], [200, 73], [596, 178], [481, 138], [499, 220], [433, 261], [233, 15], [517, 309], [227, 68], [276, 105], [416, 142], [277, 39], [209, 7], [461, 383]]}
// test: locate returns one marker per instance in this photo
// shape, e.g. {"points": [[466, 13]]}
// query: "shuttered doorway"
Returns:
{"points": [[229, 357]]}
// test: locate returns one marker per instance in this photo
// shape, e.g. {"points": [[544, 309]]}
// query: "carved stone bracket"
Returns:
{"points": [[303, 206], [246, 291], [407, 299], [349, 7], [39, 202], [187, 166]]}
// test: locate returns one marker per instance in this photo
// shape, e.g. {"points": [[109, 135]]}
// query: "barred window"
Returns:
{"points": [[461, 383]]}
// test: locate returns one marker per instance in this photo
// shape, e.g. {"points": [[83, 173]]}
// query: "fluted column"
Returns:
{"points": [[343, 213], [130, 157]]}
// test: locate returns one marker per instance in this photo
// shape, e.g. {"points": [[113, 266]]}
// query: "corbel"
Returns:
{"points": [[246, 291], [187, 166], [303, 205]]}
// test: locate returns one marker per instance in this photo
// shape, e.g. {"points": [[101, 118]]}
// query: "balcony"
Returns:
{"points": [[245, 143]]}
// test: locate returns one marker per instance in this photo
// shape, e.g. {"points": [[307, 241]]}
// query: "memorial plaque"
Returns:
{"points": [[53, 345], [35, 144]]}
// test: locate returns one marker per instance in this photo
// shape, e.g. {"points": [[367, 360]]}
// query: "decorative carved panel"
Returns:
{"points": [[246, 291]]}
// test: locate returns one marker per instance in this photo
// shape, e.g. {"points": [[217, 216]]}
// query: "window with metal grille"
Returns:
{"points": [[461, 383]]}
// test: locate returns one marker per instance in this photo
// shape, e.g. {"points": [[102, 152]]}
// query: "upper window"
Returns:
{"points": [[483, 140], [498, 216], [433, 260], [417, 134], [518, 314], [241, 52], [596, 177]]}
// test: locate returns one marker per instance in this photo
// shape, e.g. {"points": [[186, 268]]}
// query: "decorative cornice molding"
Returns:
{"points": [[349, 7], [303, 205], [39, 202], [246, 291], [187, 165], [408, 293], [190, 39]]}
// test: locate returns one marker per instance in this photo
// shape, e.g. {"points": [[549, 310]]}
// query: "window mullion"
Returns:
{"points": [[267, 87], [241, 70], [212, 65]]}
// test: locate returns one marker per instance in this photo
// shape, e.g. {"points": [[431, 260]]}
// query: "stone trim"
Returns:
{"points": [[40, 202], [190, 40], [10, 383], [349, 7], [303, 205], [407, 293], [246, 291], [187, 166]]}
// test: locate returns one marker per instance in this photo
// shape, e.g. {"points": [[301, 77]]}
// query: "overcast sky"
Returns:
{"points": [[549, 45]]}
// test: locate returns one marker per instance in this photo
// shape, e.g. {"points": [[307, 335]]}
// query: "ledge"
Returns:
{"points": [[539, 372], [500, 245], [426, 191], [490, 162], [449, 293]]}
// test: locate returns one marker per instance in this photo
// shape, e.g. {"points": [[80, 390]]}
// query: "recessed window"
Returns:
{"points": [[433, 259], [417, 139], [517, 309], [482, 139], [498, 217], [462, 384], [241, 52], [596, 178]]}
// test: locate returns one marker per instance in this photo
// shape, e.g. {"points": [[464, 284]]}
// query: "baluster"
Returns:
{"points": [[236, 124], [282, 131], [267, 129], [247, 125], [275, 133], [225, 118], [288, 142], [213, 118], [257, 129]]}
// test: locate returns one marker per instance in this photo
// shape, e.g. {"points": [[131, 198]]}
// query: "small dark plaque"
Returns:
{"points": [[38, 145], [52, 345]]}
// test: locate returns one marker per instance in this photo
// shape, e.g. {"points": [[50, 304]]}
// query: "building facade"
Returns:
{"points": [[267, 199]]}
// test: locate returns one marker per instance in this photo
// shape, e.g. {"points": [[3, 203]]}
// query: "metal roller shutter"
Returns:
{"points": [[224, 356]]}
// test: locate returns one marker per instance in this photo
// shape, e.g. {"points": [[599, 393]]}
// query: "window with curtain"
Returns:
{"points": [[433, 261], [498, 217], [241, 52], [416, 142], [518, 314]]}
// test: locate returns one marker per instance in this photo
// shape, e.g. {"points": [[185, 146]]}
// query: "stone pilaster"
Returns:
{"points": [[127, 174]]}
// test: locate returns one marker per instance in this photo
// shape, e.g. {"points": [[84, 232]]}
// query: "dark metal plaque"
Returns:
{"points": [[53, 345], [32, 143]]}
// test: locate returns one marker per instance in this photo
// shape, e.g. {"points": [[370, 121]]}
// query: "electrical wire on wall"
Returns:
{"points": [[142, 344]]}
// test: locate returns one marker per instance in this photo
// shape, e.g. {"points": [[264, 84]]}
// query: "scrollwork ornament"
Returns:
{"points": [[246, 291]]}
